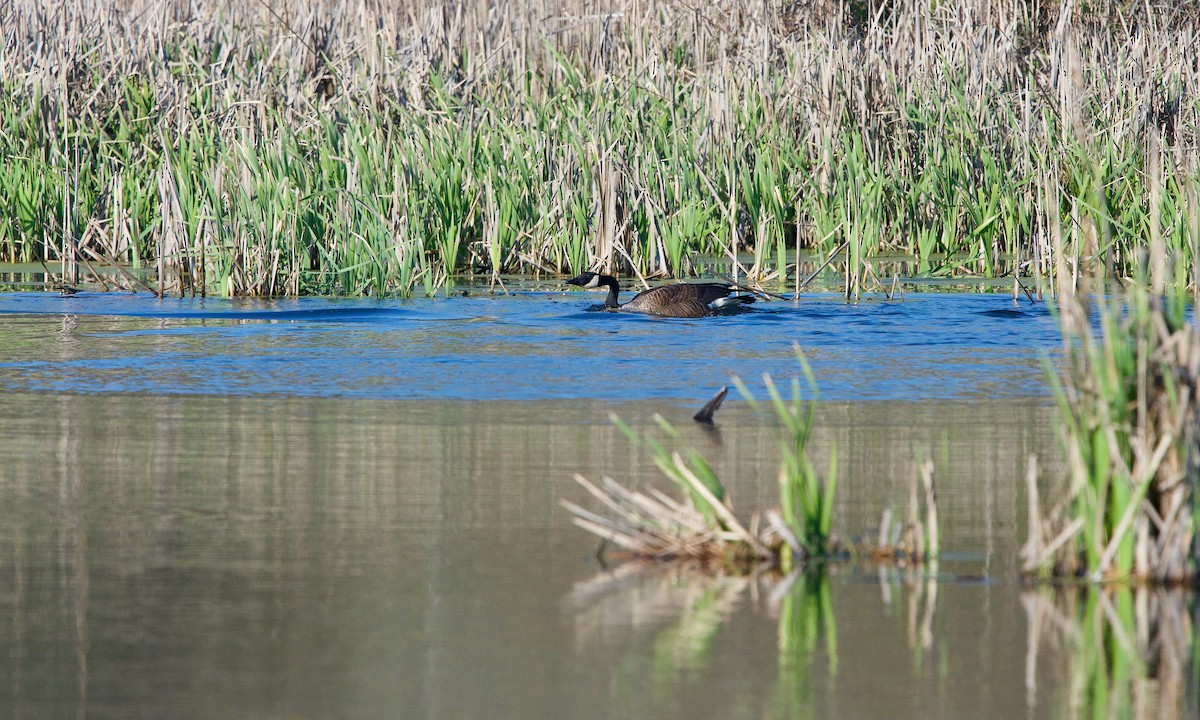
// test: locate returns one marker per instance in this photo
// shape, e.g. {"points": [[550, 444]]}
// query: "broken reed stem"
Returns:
{"points": [[915, 527], [1032, 553], [918, 541]]}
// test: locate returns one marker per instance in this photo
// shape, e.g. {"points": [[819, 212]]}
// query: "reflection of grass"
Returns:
{"points": [[668, 615], [805, 618], [639, 597], [688, 644], [1127, 649]]}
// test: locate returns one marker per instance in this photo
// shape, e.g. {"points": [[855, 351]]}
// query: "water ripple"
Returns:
{"points": [[520, 347]]}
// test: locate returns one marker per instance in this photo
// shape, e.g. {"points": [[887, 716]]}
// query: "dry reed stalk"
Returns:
{"points": [[918, 541], [655, 525]]}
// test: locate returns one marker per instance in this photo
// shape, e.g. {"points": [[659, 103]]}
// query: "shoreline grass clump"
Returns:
{"points": [[278, 148], [701, 526], [1129, 405]]}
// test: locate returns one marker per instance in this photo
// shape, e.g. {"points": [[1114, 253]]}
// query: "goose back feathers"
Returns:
{"points": [[687, 300]]}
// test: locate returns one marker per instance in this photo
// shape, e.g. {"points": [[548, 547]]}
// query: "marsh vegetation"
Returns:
{"points": [[378, 148], [1129, 414], [277, 148], [797, 532]]}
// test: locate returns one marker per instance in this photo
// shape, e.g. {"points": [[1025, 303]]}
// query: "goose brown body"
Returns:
{"points": [[685, 300]]}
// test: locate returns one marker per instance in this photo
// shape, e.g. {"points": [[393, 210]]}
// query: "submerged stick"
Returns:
{"points": [[705, 415]]}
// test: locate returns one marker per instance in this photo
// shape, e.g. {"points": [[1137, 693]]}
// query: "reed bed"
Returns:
{"points": [[282, 148], [1129, 406], [701, 527]]}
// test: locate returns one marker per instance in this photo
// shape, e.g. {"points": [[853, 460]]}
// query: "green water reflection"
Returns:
{"points": [[1130, 651]]}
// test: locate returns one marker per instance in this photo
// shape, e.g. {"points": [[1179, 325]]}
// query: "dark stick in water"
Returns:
{"points": [[710, 408]]}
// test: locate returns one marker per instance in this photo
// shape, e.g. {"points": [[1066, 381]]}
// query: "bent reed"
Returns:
{"points": [[276, 147]]}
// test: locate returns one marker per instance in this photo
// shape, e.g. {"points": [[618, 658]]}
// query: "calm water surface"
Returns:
{"points": [[350, 509]]}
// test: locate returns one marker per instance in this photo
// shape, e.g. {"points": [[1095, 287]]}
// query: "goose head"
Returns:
{"points": [[586, 279]]}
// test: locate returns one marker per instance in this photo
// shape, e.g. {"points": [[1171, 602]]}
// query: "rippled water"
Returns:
{"points": [[325, 508], [522, 347]]}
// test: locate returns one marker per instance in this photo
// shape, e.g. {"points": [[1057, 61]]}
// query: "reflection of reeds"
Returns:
{"points": [[642, 596], [804, 604], [1127, 650], [920, 590], [683, 608]]}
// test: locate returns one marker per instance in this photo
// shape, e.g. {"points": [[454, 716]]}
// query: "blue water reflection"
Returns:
{"points": [[520, 347]]}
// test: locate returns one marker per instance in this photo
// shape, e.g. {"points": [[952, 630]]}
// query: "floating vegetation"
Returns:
{"points": [[701, 526], [1129, 403], [283, 148], [652, 524]]}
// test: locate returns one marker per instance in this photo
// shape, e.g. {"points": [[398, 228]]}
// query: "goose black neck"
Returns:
{"points": [[613, 290]]}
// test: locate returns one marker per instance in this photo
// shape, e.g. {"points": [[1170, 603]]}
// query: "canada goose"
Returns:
{"points": [[686, 300]]}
